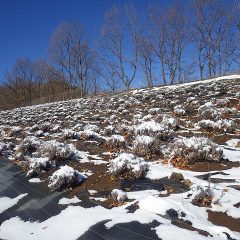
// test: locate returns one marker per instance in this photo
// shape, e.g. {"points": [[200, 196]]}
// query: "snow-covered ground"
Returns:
{"points": [[117, 150]]}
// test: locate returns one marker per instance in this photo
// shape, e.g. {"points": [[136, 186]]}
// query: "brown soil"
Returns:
{"points": [[213, 166], [222, 139], [110, 203], [100, 180], [237, 187], [221, 180], [183, 224], [222, 219]]}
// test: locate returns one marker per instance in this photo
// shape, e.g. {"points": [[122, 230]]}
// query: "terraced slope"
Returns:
{"points": [[169, 155]]}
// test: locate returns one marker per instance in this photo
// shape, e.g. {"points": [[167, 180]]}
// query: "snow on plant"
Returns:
{"points": [[91, 127], [222, 102], [56, 151], [56, 128], [203, 196], [109, 130], [125, 129], [3, 147], [27, 146], [173, 102], [39, 133], [147, 117], [15, 131], [154, 111], [118, 195], [238, 95], [179, 110], [195, 149], [191, 99], [11, 131], [45, 126], [154, 129], [145, 145], [38, 166], [116, 141], [222, 125], [169, 121], [89, 135], [65, 177], [210, 111], [129, 164], [34, 128], [70, 134]]}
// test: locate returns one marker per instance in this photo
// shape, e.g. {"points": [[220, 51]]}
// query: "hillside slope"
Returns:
{"points": [[169, 155]]}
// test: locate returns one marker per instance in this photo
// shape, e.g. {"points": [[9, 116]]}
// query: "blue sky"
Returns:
{"points": [[26, 25]]}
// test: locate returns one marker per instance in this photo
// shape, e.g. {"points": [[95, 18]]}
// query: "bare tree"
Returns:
{"points": [[176, 22], [119, 43], [157, 26], [236, 21], [214, 37], [170, 27], [146, 55], [29, 82], [21, 81], [69, 48], [60, 49]]}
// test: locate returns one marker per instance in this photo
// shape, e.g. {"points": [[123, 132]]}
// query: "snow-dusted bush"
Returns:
{"points": [[39, 133], [56, 128], [145, 145], [27, 146], [3, 146], [109, 130], [45, 126], [89, 135], [65, 177], [169, 121], [196, 149], [91, 127], [173, 102], [179, 110], [128, 164], [116, 141], [203, 197], [56, 151], [154, 111], [38, 165], [34, 128], [222, 102], [70, 134], [154, 129], [124, 128], [118, 195], [210, 111], [222, 125], [7, 131]]}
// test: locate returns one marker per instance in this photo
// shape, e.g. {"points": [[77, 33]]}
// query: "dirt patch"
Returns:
{"points": [[223, 138], [213, 166], [185, 225], [237, 187], [100, 180], [222, 219]]}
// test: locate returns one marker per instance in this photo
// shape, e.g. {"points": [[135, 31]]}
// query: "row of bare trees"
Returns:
{"points": [[170, 44]]}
